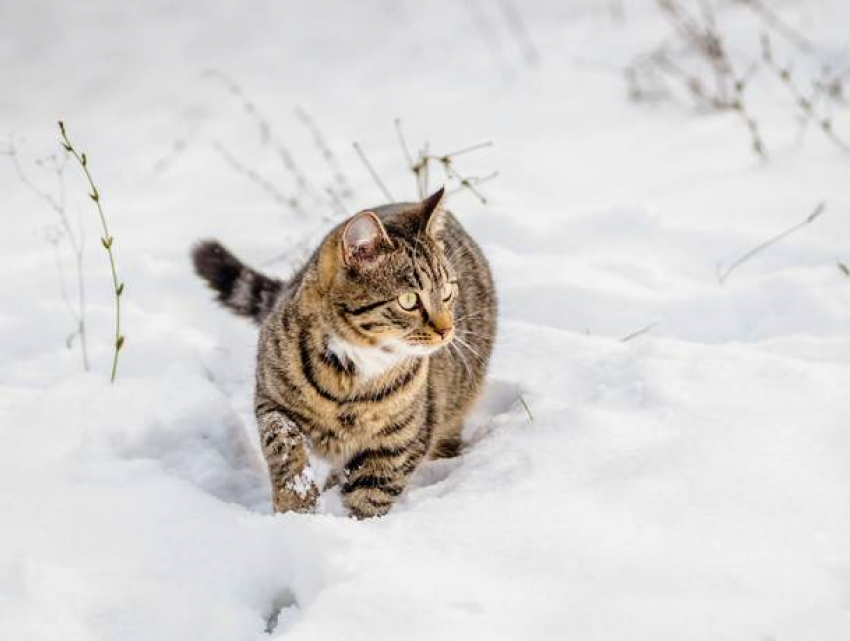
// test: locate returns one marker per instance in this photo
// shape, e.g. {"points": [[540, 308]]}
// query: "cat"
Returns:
{"points": [[370, 356]]}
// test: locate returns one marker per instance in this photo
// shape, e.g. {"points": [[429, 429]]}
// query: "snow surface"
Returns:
{"points": [[691, 483]]}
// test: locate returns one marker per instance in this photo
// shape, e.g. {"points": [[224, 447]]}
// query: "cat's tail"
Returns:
{"points": [[238, 287]]}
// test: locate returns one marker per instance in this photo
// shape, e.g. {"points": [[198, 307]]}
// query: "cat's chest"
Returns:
{"points": [[344, 429], [367, 363]]}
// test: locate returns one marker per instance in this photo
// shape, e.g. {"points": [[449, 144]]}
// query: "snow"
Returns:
{"points": [[689, 483]]}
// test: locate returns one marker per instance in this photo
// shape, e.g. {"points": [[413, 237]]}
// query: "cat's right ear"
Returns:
{"points": [[364, 240]]}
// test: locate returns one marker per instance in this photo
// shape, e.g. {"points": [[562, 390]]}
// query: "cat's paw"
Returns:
{"points": [[297, 495], [365, 504], [368, 511]]}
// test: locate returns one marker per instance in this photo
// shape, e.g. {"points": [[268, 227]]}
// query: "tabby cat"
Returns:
{"points": [[370, 356]]}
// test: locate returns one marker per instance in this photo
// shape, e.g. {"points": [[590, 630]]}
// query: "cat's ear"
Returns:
{"points": [[364, 239], [433, 216]]}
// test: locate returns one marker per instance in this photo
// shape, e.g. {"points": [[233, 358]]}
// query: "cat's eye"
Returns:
{"points": [[408, 301], [448, 292]]}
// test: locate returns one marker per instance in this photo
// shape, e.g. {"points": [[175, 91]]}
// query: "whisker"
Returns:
{"points": [[463, 343], [462, 358], [471, 333], [461, 349], [470, 315]]}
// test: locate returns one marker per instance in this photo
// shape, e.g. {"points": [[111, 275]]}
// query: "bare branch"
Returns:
{"points": [[770, 18], [340, 180], [466, 150], [261, 181], [75, 241], [268, 135], [804, 103], [372, 172], [473, 182], [335, 199]]}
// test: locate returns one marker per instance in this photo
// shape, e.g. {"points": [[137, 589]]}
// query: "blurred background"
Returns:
{"points": [[213, 119]]}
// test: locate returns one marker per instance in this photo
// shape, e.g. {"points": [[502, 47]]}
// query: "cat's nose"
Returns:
{"points": [[442, 323]]}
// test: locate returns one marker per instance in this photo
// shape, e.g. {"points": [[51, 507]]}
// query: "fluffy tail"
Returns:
{"points": [[238, 287]]}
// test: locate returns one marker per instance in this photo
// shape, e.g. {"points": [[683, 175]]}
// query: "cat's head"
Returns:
{"points": [[385, 280]]}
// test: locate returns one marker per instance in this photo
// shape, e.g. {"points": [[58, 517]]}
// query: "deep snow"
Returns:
{"points": [[691, 483]]}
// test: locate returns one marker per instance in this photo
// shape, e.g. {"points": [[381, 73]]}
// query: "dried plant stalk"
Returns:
{"points": [[77, 310], [722, 275], [421, 167], [107, 240]]}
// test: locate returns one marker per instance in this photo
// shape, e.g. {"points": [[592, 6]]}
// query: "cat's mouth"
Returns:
{"points": [[422, 345]]}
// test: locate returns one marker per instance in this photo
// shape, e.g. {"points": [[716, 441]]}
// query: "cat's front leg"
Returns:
{"points": [[375, 477], [286, 449]]}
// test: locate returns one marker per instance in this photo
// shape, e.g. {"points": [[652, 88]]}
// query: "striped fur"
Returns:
{"points": [[345, 372], [238, 287]]}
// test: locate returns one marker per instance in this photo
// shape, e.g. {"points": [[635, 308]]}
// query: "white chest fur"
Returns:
{"points": [[368, 362]]}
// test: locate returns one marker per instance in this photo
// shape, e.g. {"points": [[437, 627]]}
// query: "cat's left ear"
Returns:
{"points": [[364, 239], [433, 216]]}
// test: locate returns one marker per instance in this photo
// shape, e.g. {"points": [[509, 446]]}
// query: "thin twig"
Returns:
{"points": [[336, 200], [770, 18], [526, 408], [341, 181], [268, 135], [403, 143], [107, 240], [465, 183], [473, 182], [300, 249], [520, 32], [426, 167], [372, 172], [723, 275], [416, 167], [466, 150], [805, 105], [488, 33], [177, 148], [261, 181], [420, 168], [75, 242], [640, 332]]}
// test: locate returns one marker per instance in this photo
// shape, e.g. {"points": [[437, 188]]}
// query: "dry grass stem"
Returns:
{"points": [[107, 240], [723, 275], [372, 172], [75, 241], [421, 167], [526, 407], [341, 183], [640, 332], [698, 62], [806, 104]]}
